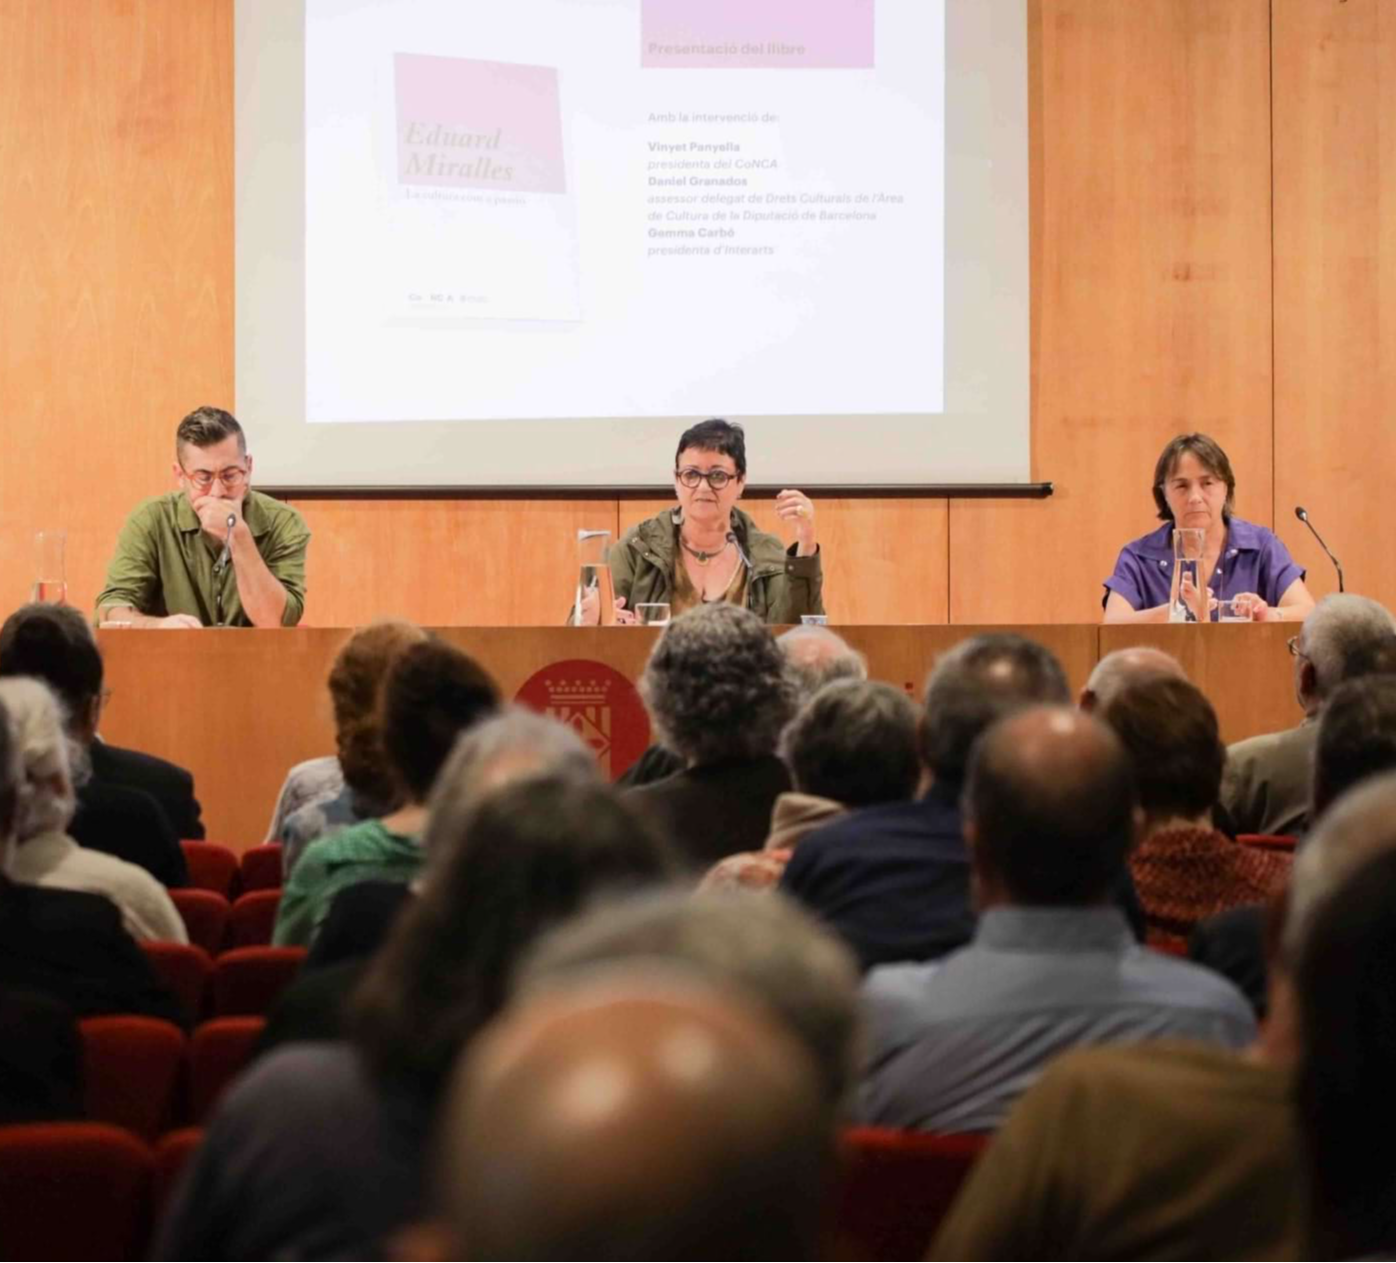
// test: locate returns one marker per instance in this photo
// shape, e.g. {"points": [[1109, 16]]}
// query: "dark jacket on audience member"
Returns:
{"points": [[712, 811], [40, 1059], [129, 824], [1233, 944], [168, 783], [70, 946]]}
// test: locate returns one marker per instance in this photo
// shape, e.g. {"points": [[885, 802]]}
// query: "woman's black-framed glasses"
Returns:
{"points": [[715, 478]]}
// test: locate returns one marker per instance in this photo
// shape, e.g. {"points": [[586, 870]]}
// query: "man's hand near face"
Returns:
{"points": [[213, 512]]}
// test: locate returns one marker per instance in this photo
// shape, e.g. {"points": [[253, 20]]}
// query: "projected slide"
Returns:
{"points": [[619, 209]]}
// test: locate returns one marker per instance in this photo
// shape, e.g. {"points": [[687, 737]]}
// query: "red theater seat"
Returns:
{"points": [[1267, 841], [253, 918], [218, 1051], [261, 867], [131, 1071], [185, 970], [247, 981], [205, 917], [211, 867], [171, 1155]]}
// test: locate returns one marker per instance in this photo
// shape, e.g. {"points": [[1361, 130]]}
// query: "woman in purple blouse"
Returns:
{"points": [[1194, 487]]}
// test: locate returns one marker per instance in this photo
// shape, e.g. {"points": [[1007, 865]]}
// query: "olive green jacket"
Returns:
{"points": [[780, 586]]}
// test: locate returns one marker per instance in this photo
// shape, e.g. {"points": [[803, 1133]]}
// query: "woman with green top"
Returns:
{"points": [[431, 694]]}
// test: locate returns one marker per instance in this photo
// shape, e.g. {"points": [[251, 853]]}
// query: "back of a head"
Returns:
{"points": [[758, 944], [977, 683], [1123, 667], [1050, 804], [208, 426], [1347, 1111], [856, 742], [53, 643], [816, 656], [1345, 637], [432, 694], [716, 685], [532, 853], [1356, 737], [635, 1120], [44, 799], [1170, 732], [356, 685]]}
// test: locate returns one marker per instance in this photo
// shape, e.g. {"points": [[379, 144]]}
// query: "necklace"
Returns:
{"points": [[698, 554]]}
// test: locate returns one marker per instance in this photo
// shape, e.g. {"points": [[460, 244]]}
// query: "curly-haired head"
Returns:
{"points": [[716, 686], [356, 683]]}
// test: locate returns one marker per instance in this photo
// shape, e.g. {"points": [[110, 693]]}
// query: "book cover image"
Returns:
{"points": [[482, 220]]}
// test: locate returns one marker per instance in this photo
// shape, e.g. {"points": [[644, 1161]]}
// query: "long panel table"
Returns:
{"points": [[240, 707]]}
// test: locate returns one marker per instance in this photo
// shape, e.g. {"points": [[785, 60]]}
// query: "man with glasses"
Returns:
{"points": [[213, 553]]}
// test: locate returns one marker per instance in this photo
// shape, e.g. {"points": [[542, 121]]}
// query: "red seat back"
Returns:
{"points": [[171, 1155], [218, 1051], [185, 970], [211, 867], [261, 867], [205, 917], [247, 981], [1268, 841], [253, 918], [131, 1071], [897, 1187], [74, 1191]]}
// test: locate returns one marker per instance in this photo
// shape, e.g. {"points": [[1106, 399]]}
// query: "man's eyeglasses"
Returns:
{"points": [[715, 478], [232, 478], [1293, 644]]}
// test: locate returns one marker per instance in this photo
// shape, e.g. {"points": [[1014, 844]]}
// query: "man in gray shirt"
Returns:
{"points": [[1050, 815]]}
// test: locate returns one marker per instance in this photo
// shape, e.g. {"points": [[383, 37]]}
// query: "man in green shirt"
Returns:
{"points": [[215, 552]]}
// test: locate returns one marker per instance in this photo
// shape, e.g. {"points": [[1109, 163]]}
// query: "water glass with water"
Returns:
{"points": [[652, 613], [594, 588], [1188, 543], [51, 581]]}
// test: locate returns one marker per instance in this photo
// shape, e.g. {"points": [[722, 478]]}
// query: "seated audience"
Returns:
{"points": [[431, 694], [1269, 778], [40, 1060], [59, 947], [130, 805], [1174, 1150], [1050, 814], [323, 795], [852, 745], [318, 1151], [766, 949], [1347, 1042], [44, 854], [634, 1119], [1123, 667], [814, 656], [718, 695], [510, 746], [1184, 868]]}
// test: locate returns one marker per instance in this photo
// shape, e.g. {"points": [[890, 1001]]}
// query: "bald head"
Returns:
{"points": [[1050, 808], [817, 656], [644, 1117], [1117, 671]]}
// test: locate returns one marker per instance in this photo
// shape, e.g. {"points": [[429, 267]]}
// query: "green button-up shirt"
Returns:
{"points": [[164, 562]]}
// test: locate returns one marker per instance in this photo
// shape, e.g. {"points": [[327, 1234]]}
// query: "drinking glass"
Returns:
{"points": [[1232, 612], [594, 578], [652, 613], [815, 620], [1188, 543], [50, 583]]}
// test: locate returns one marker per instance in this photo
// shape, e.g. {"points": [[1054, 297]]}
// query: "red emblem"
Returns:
{"points": [[599, 702]]}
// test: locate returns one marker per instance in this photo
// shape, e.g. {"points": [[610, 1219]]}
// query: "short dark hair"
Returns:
{"points": [[1055, 832], [9, 779], [1356, 736], [1209, 455], [1170, 732], [1347, 1033], [432, 694], [976, 683], [53, 643], [855, 741], [528, 856], [715, 435], [206, 426]]}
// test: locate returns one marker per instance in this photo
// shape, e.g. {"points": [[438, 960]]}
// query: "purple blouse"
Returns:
{"points": [[1252, 560]]}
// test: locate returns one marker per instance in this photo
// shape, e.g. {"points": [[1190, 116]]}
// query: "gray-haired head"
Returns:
{"points": [[1357, 828], [1344, 636], [855, 741], [716, 686], [973, 686], [758, 945], [1356, 738], [512, 745], [818, 656], [46, 801], [1123, 667]]}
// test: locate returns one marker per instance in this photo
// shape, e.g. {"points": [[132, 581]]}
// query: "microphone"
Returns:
{"points": [[732, 539], [226, 555], [1303, 515]]}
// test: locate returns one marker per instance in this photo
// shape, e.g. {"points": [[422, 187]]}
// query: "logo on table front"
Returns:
{"points": [[599, 702]]}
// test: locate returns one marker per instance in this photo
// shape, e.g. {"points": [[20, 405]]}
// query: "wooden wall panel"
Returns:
{"points": [[1335, 285], [885, 560], [1151, 288], [116, 276]]}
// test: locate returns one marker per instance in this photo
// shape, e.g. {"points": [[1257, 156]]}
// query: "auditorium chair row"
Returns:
{"points": [[94, 1191], [244, 982], [219, 926], [213, 866]]}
